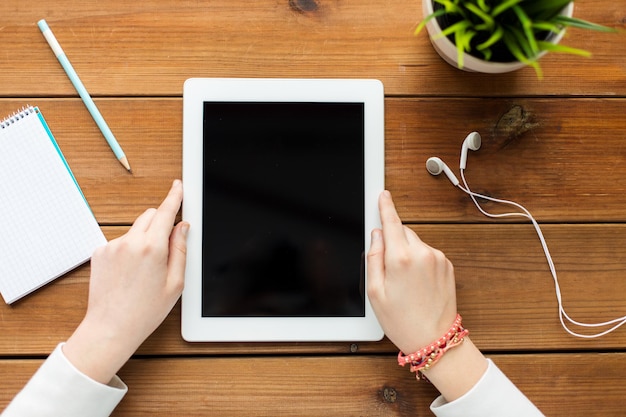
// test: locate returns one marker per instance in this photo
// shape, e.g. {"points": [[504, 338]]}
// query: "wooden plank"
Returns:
{"points": [[562, 159], [120, 48], [554, 145], [340, 385], [149, 131], [505, 289], [505, 294]]}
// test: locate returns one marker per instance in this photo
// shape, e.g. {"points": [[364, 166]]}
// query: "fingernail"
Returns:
{"points": [[376, 234], [386, 194], [177, 183], [185, 229]]}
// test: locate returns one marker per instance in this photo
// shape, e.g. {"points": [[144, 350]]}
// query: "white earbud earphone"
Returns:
{"points": [[436, 166], [473, 142]]}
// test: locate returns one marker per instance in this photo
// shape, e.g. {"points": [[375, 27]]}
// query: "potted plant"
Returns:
{"points": [[494, 36]]}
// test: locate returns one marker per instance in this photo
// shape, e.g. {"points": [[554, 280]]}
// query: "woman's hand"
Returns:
{"points": [[412, 290], [136, 280], [411, 285]]}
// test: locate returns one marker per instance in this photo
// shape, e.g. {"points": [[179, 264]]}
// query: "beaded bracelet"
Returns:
{"points": [[426, 357]]}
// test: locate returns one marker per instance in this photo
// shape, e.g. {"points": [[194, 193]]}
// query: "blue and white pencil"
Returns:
{"points": [[82, 92]]}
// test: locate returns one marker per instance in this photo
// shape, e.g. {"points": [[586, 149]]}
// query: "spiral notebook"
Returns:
{"points": [[46, 228]]}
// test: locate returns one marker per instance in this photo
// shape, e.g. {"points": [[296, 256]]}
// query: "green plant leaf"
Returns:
{"points": [[460, 57], [547, 26], [535, 6], [487, 54], [511, 42], [489, 22], [428, 18], [457, 27], [504, 6], [495, 37], [545, 9], [582, 24], [464, 37], [528, 30], [483, 6], [551, 47], [450, 6], [521, 42]]}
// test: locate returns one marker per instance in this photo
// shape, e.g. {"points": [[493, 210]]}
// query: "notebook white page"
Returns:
{"points": [[46, 225]]}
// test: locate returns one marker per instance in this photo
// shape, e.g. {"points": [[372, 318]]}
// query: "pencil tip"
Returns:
{"points": [[125, 164]]}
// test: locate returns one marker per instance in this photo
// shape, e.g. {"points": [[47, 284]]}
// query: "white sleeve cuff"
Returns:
{"points": [[493, 395], [58, 388]]}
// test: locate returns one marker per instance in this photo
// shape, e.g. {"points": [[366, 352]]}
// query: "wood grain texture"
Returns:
{"points": [[158, 44], [554, 145], [340, 385], [562, 159], [505, 294]]}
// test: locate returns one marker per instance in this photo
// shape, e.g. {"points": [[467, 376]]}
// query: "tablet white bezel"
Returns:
{"points": [[196, 328]]}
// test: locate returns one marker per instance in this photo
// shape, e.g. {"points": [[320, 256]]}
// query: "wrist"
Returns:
{"points": [[451, 363], [95, 352], [424, 358], [458, 370]]}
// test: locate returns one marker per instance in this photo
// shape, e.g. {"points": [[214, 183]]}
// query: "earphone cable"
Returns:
{"points": [[618, 322]]}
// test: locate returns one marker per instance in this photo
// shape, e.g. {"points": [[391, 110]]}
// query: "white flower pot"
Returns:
{"points": [[447, 49]]}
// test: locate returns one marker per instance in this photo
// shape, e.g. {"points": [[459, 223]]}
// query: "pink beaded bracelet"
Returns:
{"points": [[426, 357]]}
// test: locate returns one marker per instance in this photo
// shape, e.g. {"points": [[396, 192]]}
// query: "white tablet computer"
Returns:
{"points": [[281, 180]]}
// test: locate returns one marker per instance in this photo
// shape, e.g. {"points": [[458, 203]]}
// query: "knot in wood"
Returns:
{"points": [[390, 395], [304, 5], [513, 123]]}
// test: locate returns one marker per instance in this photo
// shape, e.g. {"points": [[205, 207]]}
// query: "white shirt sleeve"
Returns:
{"points": [[493, 395], [58, 388]]}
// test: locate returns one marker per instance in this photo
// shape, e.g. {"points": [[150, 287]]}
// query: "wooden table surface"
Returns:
{"points": [[557, 146]]}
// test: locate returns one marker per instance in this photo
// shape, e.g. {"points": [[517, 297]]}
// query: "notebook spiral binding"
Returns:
{"points": [[20, 114]]}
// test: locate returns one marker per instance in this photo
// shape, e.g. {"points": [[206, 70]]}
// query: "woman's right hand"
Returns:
{"points": [[412, 290], [410, 284]]}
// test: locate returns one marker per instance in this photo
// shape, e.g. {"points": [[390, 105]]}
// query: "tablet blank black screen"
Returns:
{"points": [[283, 210]]}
